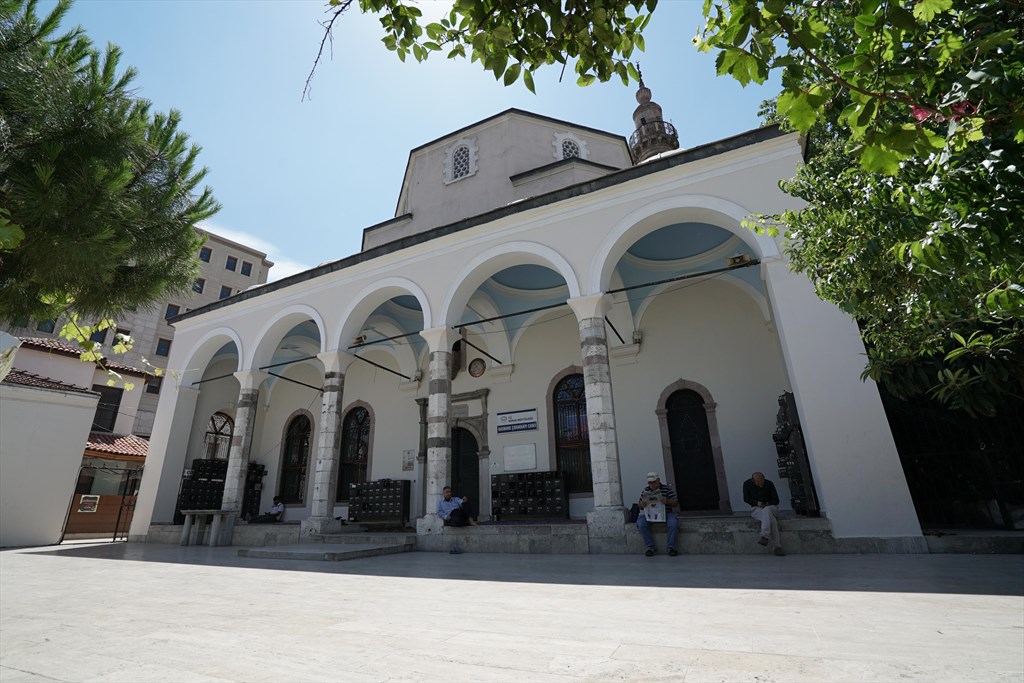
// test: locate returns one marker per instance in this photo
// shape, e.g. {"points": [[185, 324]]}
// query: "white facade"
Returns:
{"points": [[736, 339], [44, 426]]}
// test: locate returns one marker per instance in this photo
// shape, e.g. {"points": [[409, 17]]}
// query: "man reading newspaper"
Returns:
{"points": [[657, 501]]}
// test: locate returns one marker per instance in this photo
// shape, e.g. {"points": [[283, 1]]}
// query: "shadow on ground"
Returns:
{"points": [[955, 574]]}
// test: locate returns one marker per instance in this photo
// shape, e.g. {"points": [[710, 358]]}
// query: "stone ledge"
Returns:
{"points": [[540, 539]]}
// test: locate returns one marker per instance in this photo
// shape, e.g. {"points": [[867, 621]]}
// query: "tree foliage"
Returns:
{"points": [[513, 39], [98, 194], [929, 260], [914, 191]]}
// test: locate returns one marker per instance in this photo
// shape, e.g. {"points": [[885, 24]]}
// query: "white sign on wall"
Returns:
{"points": [[517, 421], [521, 457]]}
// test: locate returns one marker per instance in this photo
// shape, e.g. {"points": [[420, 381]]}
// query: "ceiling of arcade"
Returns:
{"points": [[518, 297]]}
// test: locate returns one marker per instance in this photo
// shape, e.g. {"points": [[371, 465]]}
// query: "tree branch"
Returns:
{"points": [[328, 28]]}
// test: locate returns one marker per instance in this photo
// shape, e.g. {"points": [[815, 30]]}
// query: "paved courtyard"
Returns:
{"points": [[131, 612]]}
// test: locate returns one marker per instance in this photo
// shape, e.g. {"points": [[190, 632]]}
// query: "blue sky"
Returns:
{"points": [[301, 179]]}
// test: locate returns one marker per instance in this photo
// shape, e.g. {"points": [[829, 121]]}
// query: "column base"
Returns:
{"points": [[429, 524], [318, 526], [606, 530]]}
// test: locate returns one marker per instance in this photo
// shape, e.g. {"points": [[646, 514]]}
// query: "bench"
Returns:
{"points": [[190, 517]]}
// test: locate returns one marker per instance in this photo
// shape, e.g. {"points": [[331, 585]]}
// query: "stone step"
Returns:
{"points": [[330, 552], [360, 537]]}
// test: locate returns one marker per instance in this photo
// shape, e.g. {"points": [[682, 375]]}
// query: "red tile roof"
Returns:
{"points": [[68, 350], [27, 379], [119, 444]]}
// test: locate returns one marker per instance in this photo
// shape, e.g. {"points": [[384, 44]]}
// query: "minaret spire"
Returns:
{"points": [[653, 135]]}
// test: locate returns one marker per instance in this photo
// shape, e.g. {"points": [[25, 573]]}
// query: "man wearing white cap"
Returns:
{"points": [[655, 491]]}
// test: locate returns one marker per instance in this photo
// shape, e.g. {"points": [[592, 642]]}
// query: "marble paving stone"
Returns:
{"points": [[146, 612]]}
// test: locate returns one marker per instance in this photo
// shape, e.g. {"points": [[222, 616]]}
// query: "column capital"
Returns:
{"points": [[440, 338], [590, 306], [336, 360], [250, 379]]}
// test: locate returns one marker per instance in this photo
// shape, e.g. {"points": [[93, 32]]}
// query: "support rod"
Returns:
{"points": [[295, 381], [469, 343], [621, 340], [508, 315], [688, 276], [382, 367]]}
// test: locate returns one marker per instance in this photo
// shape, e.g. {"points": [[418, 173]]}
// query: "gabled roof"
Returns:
{"points": [[117, 444], [57, 346], [27, 379]]}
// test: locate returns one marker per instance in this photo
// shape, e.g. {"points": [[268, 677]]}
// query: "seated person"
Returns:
{"points": [[455, 511], [760, 494], [663, 494], [275, 513]]}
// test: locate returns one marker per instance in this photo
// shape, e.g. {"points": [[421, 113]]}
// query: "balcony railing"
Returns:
{"points": [[652, 131]]}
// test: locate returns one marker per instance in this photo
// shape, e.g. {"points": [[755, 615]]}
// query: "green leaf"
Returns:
{"points": [[875, 159], [512, 74], [796, 107], [502, 34], [11, 234], [528, 81], [925, 10], [586, 79]]}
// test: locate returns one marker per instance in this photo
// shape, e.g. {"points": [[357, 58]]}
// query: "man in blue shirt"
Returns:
{"points": [[656, 492], [453, 510]]}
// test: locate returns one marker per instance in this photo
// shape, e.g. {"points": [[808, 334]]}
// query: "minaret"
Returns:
{"points": [[653, 135]]}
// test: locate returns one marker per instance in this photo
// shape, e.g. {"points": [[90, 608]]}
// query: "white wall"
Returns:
{"points": [[710, 333], [39, 462], [715, 335]]}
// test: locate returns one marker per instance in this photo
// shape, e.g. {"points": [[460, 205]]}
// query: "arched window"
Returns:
{"points": [[572, 435], [355, 450], [569, 146], [295, 460], [218, 436], [460, 160], [460, 163]]}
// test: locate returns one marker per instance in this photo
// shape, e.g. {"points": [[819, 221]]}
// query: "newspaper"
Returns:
{"points": [[655, 510]]}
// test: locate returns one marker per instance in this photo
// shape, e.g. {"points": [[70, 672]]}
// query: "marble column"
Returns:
{"points": [[606, 522], [241, 443], [439, 408], [325, 481], [166, 460]]}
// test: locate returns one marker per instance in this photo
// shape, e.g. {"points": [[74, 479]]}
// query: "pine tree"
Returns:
{"points": [[98, 195]]}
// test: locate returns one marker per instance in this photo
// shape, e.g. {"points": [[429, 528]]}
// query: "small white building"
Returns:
{"points": [[601, 293]]}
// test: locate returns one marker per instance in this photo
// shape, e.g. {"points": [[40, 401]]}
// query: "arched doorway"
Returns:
{"points": [[465, 465], [692, 457]]}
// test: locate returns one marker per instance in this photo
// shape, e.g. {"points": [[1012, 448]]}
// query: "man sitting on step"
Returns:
{"points": [[760, 494], [455, 511], [660, 494], [275, 513]]}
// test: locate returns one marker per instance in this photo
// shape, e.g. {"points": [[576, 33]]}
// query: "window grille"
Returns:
{"points": [[355, 450], [460, 163]]}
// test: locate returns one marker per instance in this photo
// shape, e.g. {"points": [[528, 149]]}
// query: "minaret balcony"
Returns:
{"points": [[655, 132]]}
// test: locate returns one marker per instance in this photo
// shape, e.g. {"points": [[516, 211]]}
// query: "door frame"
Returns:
{"points": [[710, 411]]}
